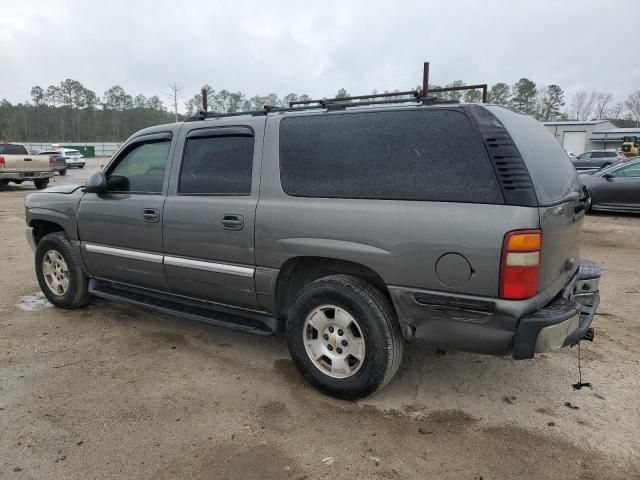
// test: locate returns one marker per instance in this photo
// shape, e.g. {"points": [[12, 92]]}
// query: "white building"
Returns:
{"points": [[578, 136]]}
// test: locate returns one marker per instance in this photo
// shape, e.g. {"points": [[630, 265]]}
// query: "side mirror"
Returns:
{"points": [[96, 183], [607, 176]]}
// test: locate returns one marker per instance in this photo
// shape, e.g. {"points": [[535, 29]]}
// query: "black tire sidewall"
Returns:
{"points": [[41, 184], [372, 372], [77, 292]]}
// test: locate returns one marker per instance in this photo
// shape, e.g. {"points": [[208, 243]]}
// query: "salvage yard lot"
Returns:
{"points": [[113, 391]]}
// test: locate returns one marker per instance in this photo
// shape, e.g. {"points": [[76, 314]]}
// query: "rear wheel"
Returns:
{"points": [[63, 172], [59, 272], [344, 336], [80, 166], [4, 182], [40, 184]]}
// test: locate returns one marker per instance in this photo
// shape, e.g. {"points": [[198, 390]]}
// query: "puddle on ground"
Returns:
{"points": [[37, 301]]}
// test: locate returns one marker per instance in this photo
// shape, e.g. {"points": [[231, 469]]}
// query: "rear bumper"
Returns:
{"points": [[501, 327], [26, 175], [564, 321]]}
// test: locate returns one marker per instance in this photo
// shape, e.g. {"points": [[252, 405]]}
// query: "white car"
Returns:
{"points": [[73, 158]]}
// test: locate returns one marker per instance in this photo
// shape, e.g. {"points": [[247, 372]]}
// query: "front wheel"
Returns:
{"points": [[344, 336], [41, 184], [59, 272]]}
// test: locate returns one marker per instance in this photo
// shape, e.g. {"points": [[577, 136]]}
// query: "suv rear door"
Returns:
{"points": [[210, 211], [121, 230]]}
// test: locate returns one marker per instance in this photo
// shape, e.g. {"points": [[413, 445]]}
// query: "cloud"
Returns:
{"points": [[315, 48]]}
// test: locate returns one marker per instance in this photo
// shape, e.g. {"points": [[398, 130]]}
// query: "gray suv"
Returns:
{"points": [[351, 227]]}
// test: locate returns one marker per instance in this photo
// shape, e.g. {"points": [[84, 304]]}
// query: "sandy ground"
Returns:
{"points": [[113, 391]]}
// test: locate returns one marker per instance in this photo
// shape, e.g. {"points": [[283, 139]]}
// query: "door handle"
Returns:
{"points": [[150, 215], [232, 222]]}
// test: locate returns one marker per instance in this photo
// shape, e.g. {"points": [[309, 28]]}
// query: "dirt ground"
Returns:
{"points": [[113, 391]]}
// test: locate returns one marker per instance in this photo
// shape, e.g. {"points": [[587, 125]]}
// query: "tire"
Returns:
{"points": [[41, 184], [76, 293], [80, 166], [4, 182], [63, 172], [380, 342]]}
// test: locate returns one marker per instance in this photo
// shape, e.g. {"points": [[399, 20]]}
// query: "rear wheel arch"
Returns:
{"points": [[297, 272]]}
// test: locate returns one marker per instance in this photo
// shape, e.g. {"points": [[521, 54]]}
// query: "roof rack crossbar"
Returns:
{"points": [[414, 93]]}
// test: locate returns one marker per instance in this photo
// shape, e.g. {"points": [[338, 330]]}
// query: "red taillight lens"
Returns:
{"points": [[2, 161], [520, 264], [52, 161]]}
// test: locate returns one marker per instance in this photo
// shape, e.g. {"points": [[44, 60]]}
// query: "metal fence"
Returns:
{"points": [[100, 149]]}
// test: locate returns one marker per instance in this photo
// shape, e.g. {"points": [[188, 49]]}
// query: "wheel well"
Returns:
{"points": [[299, 271], [44, 227]]}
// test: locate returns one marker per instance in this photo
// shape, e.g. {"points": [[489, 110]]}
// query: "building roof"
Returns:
{"points": [[622, 131], [574, 122], [613, 134]]}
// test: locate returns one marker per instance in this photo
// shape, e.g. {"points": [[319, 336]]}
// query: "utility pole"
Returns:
{"points": [[175, 88]]}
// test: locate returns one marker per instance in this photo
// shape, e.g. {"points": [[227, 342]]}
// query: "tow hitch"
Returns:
{"points": [[589, 334]]}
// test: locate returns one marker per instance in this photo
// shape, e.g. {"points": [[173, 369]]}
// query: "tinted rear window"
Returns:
{"points": [[422, 154], [13, 150], [552, 173], [602, 154]]}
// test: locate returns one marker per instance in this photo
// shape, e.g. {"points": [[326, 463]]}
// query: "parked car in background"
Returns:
{"points": [[597, 159], [615, 188], [73, 158], [60, 164], [17, 166]]}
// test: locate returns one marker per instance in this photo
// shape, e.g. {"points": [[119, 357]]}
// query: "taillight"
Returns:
{"points": [[52, 161], [2, 161], [520, 264]]}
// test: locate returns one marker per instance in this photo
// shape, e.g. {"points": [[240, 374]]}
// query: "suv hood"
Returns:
{"points": [[64, 188]]}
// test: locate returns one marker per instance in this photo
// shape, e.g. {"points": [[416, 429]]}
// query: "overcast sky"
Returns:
{"points": [[316, 47]]}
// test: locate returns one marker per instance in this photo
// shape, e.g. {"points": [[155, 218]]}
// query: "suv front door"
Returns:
{"points": [[209, 213], [121, 230]]}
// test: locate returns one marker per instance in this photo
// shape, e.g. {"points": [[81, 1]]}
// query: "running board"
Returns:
{"points": [[215, 314]]}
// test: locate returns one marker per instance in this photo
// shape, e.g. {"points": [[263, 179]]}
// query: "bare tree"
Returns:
{"points": [[616, 111], [175, 89], [603, 100], [582, 104], [633, 105]]}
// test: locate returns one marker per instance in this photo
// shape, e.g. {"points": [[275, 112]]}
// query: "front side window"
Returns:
{"points": [[217, 165], [584, 156], [141, 170]]}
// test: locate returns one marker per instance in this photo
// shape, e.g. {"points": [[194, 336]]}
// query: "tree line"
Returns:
{"points": [[71, 112]]}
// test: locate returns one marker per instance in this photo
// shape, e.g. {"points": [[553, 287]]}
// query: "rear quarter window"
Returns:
{"points": [[552, 172], [434, 155]]}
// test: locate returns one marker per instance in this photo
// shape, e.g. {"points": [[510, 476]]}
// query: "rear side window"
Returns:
{"points": [[217, 165], [9, 149], [552, 173], [432, 155]]}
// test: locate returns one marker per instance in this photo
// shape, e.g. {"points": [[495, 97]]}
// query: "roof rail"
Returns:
{"points": [[329, 104]]}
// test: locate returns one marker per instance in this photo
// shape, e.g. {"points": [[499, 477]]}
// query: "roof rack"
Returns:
{"points": [[420, 96]]}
